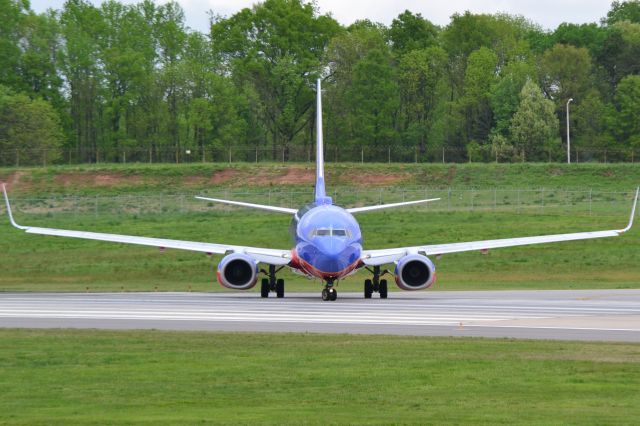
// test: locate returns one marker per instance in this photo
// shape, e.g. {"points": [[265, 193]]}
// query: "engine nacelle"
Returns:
{"points": [[238, 271], [415, 272]]}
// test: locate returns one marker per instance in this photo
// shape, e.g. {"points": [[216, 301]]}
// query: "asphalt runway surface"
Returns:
{"points": [[605, 315]]}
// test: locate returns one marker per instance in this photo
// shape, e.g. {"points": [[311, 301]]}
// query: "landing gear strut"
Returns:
{"points": [[271, 283], [329, 293], [376, 284]]}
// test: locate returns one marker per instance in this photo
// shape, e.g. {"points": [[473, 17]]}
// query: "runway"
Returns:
{"points": [[607, 315]]}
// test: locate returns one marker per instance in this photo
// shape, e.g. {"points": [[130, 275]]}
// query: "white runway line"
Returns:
{"points": [[486, 313]]}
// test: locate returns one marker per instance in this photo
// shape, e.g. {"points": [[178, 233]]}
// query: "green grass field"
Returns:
{"points": [[102, 377]]}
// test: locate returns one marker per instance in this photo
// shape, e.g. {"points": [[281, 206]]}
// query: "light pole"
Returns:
{"points": [[568, 134]]}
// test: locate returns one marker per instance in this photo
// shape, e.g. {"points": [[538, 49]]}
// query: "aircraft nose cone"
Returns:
{"points": [[336, 257]]}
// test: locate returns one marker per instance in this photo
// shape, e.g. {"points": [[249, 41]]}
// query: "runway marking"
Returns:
{"points": [[454, 313]]}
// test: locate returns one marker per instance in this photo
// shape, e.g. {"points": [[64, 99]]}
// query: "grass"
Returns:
{"points": [[104, 377], [110, 179]]}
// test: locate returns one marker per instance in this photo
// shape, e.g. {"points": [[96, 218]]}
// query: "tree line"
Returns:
{"points": [[98, 81]]}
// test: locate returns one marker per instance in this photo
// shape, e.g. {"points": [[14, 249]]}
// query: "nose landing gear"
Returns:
{"points": [[329, 293]]}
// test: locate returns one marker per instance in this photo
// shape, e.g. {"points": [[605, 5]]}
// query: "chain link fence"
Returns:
{"points": [[519, 201], [298, 154]]}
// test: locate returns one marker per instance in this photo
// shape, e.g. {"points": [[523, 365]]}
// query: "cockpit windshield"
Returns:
{"points": [[329, 232]]}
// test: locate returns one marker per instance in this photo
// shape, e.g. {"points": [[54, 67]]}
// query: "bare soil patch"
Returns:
{"points": [[67, 180]]}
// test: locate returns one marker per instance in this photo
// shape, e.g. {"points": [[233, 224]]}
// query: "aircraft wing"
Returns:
{"points": [[381, 257], [264, 255]]}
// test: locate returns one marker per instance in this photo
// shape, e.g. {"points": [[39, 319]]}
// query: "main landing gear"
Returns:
{"points": [[376, 284], [271, 283], [329, 293]]}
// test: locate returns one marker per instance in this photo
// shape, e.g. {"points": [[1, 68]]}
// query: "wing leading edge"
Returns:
{"points": [[265, 255], [381, 257]]}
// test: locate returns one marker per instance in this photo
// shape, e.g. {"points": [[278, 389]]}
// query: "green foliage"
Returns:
{"points": [[534, 127], [374, 99], [131, 78], [624, 119], [628, 10], [411, 32], [29, 129], [420, 72]]}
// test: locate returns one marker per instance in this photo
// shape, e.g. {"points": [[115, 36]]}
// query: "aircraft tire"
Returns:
{"points": [[325, 295], [384, 289], [368, 289], [280, 288], [333, 295], [264, 288]]}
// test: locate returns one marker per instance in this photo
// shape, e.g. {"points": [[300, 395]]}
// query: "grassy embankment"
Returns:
{"points": [[51, 264], [101, 377]]}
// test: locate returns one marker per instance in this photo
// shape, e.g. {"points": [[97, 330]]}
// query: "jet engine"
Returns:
{"points": [[415, 272], [238, 271]]}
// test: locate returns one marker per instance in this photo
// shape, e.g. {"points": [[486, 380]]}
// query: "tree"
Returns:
{"points": [[420, 72], [374, 100], [277, 47], [475, 108], [504, 97], [623, 11], [343, 53], [621, 51], [82, 27], [12, 14], [534, 127], [565, 73], [588, 122], [29, 128], [590, 36], [623, 122], [411, 32]]}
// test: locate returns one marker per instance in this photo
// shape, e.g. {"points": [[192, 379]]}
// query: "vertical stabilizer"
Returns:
{"points": [[321, 196]]}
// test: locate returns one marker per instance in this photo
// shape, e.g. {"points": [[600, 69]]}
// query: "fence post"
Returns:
{"points": [[256, 155], [229, 155], [518, 201], [17, 157], [362, 155], [389, 153], [443, 155]]}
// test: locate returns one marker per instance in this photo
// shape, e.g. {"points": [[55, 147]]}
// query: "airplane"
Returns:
{"points": [[327, 244]]}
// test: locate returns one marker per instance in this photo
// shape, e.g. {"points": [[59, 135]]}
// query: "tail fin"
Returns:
{"points": [[321, 195]]}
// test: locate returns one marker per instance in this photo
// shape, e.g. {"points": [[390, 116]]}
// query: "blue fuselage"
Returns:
{"points": [[328, 241]]}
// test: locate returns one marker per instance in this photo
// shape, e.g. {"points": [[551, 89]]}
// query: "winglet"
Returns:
{"points": [[6, 200], [633, 213]]}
